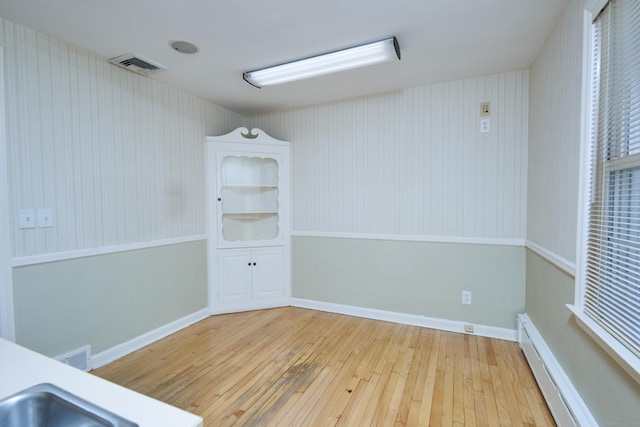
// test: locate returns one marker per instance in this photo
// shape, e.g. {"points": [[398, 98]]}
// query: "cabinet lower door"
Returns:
{"points": [[249, 279], [234, 276], [268, 273]]}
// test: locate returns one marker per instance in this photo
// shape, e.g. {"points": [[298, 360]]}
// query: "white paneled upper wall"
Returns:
{"points": [[117, 156], [554, 138], [413, 162]]}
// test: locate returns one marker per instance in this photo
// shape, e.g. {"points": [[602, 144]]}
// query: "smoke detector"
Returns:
{"points": [[137, 63], [183, 47]]}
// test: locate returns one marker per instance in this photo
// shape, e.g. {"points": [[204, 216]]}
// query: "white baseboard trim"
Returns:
{"points": [[121, 350], [565, 404], [407, 319]]}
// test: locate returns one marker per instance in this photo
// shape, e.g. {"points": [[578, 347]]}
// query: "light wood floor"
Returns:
{"points": [[297, 367]]}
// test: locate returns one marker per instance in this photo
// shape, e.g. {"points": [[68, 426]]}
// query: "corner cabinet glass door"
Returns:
{"points": [[248, 199]]}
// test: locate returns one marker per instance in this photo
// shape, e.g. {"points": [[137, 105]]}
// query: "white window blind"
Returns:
{"points": [[612, 288]]}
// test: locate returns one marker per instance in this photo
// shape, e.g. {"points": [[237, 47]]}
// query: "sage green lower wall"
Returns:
{"points": [[413, 277], [611, 395], [108, 299]]}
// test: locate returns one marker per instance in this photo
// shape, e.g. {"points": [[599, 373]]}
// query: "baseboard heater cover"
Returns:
{"points": [[565, 404], [79, 358]]}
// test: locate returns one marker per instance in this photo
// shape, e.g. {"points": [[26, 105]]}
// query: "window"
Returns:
{"points": [[610, 282]]}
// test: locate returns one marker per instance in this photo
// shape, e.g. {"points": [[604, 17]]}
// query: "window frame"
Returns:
{"points": [[629, 361]]}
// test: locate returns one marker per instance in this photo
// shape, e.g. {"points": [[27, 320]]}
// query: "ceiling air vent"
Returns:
{"points": [[137, 63]]}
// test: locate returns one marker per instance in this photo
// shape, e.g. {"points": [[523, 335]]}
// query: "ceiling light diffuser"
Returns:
{"points": [[340, 60]]}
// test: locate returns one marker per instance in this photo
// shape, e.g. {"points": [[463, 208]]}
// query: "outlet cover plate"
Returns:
{"points": [[45, 218], [485, 125], [466, 297], [27, 218]]}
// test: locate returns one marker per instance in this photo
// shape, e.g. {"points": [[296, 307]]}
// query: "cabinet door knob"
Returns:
{"points": [[254, 263], [219, 199], [249, 264]]}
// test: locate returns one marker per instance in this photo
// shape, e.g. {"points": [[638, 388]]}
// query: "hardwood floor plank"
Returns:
{"points": [[419, 375], [425, 401], [382, 376], [298, 367], [399, 381], [458, 379], [489, 392], [507, 381], [437, 399], [412, 379]]}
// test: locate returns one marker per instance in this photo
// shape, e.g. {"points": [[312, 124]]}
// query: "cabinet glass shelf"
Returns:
{"points": [[249, 198], [250, 226]]}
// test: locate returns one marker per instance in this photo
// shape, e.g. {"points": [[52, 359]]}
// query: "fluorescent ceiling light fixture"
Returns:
{"points": [[340, 60]]}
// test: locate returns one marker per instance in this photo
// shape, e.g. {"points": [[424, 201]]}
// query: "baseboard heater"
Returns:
{"points": [[79, 358], [565, 404]]}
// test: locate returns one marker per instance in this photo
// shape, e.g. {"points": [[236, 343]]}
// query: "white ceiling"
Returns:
{"points": [[440, 40]]}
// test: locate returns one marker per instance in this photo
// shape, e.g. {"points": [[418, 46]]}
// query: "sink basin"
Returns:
{"points": [[45, 405]]}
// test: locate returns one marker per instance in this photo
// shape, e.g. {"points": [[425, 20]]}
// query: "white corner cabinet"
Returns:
{"points": [[248, 221]]}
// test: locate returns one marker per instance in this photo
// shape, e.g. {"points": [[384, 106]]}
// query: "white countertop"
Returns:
{"points": [[21, 368]]}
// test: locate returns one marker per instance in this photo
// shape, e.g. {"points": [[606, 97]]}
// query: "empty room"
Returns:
{"points": [[349, 213]]}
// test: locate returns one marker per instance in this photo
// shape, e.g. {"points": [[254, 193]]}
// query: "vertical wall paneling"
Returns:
{"points": [[7, 323], [554, 139], [411, 162], [117, 156]]}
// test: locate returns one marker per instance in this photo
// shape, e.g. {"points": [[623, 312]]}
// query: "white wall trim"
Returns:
{"points": [[586, 139], [618, 352], [61, 256], [409, 238], [121, 350], [564, 401], [7, 320], [407, 319], [563, 264]]}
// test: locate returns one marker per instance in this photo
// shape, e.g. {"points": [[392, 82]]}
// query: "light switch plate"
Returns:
{"points": [[27, 218], [45, 218]]}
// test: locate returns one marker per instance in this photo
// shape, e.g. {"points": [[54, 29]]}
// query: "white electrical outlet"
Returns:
{"points": [[485, 125], [468, 329], [466, 297]]}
